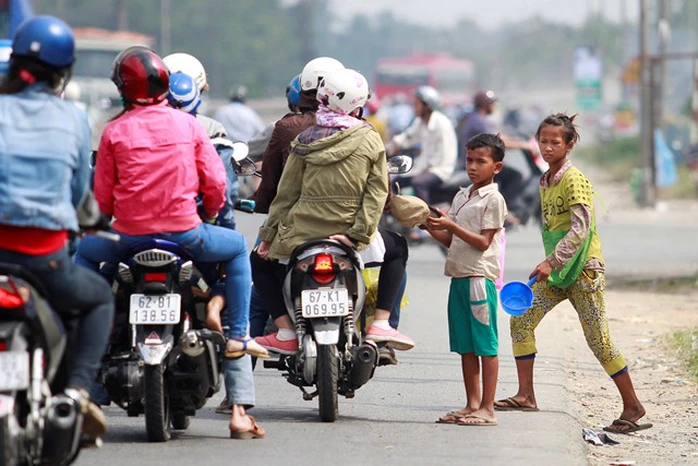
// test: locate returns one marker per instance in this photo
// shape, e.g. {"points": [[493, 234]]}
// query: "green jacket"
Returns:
{"points": [[337, 184]]}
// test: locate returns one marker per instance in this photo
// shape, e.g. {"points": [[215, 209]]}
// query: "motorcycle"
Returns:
{"points": [[40, 422], [161, 361], [324, 294]]}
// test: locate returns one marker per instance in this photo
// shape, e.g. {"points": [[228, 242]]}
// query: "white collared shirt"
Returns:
{"points": [[485, 210], [439, 145]]}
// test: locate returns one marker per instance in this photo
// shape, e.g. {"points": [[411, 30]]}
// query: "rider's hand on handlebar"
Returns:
{"points": [[263, 249]]}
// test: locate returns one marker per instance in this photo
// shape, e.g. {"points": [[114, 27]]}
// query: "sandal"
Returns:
{"points": [[253, 432], [510, 404], [450, 417], [249, 346], [481, 421], [616, 426]]}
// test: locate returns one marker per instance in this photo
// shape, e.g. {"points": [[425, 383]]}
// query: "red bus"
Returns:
{"points": [[454, 78]]}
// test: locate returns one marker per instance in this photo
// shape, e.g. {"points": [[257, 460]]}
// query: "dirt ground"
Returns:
{"points": [[640, 325]]}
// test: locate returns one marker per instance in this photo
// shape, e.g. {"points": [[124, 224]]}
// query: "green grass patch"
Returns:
{"points": [[685, 342]]}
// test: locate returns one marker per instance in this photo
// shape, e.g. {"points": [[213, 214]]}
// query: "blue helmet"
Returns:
{"points": [[184, 93], [293, 91], [46, 39]]}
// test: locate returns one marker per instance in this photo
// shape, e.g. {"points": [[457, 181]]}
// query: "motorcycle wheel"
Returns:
{"points": [[8, 447], [180, 421], [327, 375], [157, 404]]}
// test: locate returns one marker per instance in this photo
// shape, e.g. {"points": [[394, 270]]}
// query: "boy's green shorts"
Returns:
{"points": [[472, 316]]}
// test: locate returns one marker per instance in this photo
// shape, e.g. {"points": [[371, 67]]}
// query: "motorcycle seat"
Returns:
{"points": [[24, 274]]}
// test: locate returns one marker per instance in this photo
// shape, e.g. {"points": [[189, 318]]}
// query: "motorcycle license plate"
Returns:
{"points": [[325, 303], [14, 370], [161, 309]]}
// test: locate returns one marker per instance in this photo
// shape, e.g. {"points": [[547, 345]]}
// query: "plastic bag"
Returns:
{"points": [[371, 275]]}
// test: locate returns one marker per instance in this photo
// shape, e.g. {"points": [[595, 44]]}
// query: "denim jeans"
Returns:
{"points": [[258, 314], [394, 319], [239, 383], [206, 243], [74, 290]]}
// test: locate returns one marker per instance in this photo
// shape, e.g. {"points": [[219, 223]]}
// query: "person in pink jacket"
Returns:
{"points": [[152, 163]]}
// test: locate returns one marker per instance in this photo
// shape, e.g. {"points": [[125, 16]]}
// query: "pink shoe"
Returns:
{"points": [[272, 343], [392, 337]]}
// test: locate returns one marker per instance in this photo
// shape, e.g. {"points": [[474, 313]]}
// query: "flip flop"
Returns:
{"points": [[487, 423], [451, 417], [510, 404], [254, 350], [631, 426], [253, 432]]}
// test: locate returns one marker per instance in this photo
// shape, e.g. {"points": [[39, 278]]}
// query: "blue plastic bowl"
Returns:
{"points": [[517, 297]]}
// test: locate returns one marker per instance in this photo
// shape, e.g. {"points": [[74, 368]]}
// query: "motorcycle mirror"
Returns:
{"points": [[244, 167], [399, 164]]}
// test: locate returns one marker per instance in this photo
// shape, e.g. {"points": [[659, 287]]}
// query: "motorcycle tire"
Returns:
{"points": [[157, 404], [8, 446], [327, 375], [180, 421]]}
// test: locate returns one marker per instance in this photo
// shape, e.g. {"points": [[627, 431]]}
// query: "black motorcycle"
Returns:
{"points": [[39, 424], [161, 361]]}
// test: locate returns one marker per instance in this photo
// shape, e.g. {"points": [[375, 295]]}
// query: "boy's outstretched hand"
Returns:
{"points": [[543, 270], [443, 222]]}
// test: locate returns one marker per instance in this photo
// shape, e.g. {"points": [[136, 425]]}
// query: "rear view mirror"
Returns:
{"points": [[399, 164], [244, 167]]}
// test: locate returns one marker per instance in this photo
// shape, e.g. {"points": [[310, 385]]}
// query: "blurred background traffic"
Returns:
{"points": [[629, 67]]}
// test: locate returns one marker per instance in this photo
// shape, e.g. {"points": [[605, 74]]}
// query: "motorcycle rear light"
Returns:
{"points": [[155, 277], [323, 268], [3, 346], [10, 299]]}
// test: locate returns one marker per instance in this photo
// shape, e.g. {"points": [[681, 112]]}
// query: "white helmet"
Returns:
{"points": [[189, 65], [343, 90], [429, 96], [315, 69]]}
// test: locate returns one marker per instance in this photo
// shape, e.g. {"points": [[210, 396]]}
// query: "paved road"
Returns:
{"points": [[391, 420]]}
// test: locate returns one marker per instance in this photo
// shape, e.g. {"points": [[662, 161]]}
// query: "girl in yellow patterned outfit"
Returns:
{"points": [[574, 270]]}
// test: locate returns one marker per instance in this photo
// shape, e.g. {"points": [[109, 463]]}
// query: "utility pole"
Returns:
{"points": [[646, 124], [165, 26]]}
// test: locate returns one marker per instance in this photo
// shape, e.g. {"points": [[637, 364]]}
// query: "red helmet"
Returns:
{"points": [[141, 76]]}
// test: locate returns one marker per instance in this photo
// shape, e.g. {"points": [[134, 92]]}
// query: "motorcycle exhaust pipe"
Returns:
{"points": [[365, 360], [60, 430], [191, 344]]}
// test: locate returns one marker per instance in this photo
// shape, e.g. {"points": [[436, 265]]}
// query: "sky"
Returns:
{"points": [[488, 13]]}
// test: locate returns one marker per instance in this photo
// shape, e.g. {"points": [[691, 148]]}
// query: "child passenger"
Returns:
{"points": [[471, 232]]}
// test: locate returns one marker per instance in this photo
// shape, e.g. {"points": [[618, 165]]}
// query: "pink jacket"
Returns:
{"points": [[152, 163]]}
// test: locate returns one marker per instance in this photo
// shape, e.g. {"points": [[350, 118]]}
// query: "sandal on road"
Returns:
{"points": [[624, 426], [451, 417], [481, 421], [510, 404]]}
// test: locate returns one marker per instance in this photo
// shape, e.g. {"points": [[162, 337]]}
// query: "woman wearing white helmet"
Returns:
{"points": [[340, 154]]}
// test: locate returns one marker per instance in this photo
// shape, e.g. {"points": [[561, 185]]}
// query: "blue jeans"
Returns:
{"points": [[394, 319], [206, 243], [258, 314], [74, 291], [239, 382]]}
